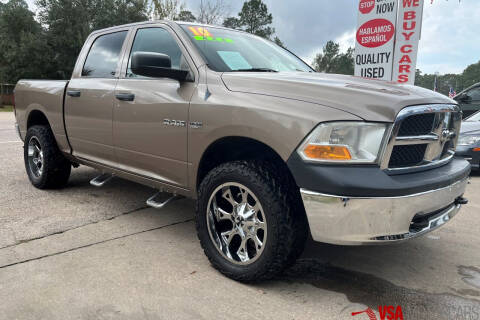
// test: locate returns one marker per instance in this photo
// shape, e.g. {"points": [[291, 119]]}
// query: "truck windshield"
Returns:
{"points": [[229, 51]]}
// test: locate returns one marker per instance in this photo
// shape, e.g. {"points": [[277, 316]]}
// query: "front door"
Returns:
{"points": [[89, 100], [150, 123]]}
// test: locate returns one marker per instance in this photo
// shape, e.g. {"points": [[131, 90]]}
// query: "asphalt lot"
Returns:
{"points": [[89, 253]]}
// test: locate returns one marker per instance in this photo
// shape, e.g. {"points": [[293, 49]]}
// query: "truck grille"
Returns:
{"points": [[422, 137], [417, 125], [407, 155]]}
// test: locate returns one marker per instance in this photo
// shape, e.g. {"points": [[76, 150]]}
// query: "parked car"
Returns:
{"points": [[469, 142], [271, 150], [469, 100]]}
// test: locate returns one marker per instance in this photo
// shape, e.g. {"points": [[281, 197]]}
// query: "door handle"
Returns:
{"points": [[125, 96], [73, 93]]}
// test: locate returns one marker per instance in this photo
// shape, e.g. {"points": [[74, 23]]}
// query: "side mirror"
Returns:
{"points": [[155, 65], [463, 98]]}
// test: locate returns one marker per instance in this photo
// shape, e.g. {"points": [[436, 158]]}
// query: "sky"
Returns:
{"points": [[449, 43]]}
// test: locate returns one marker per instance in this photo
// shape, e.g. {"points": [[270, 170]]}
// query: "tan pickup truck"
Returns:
{"points": [[272, 151]]}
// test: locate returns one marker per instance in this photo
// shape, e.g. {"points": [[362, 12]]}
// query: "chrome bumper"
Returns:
{"points": [[354, 221]]}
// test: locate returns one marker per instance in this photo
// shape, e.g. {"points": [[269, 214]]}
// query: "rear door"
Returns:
{"points": [[90, 95], [150, 131]]}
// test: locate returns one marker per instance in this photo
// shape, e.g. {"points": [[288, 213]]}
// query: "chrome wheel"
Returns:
{"points": [[35, 157], [236, 223]]}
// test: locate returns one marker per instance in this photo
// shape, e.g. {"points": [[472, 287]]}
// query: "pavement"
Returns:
{"points": [[100, 253]]}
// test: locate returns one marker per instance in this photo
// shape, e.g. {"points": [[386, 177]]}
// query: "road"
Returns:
{"points": [[99, 253]]}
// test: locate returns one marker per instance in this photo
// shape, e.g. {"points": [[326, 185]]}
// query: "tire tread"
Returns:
{"points": [[282, 196], [57, 168]]}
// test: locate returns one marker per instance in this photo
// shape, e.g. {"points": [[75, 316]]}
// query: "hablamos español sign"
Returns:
{"points": [[375, 38], [387, 39]]}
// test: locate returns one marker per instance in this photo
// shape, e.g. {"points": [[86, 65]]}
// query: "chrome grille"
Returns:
{"points": [[422, 137]]}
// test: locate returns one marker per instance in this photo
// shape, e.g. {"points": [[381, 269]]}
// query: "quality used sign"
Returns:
{"points": [[387, 39], [374, 50]]}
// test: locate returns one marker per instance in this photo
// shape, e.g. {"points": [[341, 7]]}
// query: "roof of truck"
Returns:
{"points": [[169, 22]]}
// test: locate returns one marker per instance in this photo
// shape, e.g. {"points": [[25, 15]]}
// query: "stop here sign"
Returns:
{"points": [[366, 6]]}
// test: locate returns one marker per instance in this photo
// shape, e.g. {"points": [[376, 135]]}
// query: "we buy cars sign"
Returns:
{"points": [[387, 39], [375, 38], [409, 28]]}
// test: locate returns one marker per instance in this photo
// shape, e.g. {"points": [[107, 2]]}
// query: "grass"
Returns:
{"points": [[6, 108]]}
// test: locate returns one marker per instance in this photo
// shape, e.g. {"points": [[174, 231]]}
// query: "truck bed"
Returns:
{"points": [[46, 96]]}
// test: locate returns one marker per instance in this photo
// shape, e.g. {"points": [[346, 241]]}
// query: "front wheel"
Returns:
{"points": [[249, 221], [46, 166]]}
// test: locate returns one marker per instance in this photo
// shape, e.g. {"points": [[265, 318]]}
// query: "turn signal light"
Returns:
{"points": [[476, 149], [317, 152]]}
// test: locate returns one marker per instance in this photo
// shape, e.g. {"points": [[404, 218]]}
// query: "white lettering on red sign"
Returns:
{"points": [[366, 6], [375, 38], [375, 33]]}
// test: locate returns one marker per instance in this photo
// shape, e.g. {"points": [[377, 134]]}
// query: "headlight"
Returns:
{"points": [[349, 142], [468, 140]]}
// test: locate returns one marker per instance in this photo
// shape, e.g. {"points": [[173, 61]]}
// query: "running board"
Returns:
{"points": [[159, 204], [101, 180]]}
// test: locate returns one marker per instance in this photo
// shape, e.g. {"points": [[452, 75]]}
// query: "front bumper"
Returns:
{"points": [[467, 153], [362, 220]]}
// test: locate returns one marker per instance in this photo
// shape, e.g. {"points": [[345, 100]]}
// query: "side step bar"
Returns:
{"points": [[157, 203], [101, 180]]}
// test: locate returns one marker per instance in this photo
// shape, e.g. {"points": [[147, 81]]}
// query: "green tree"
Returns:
{"points": [[69, 22], [167, 9], [471, 75], [232, 22], [211, 11], [326, 61], [24, 52], [253, 18], [186, 16], [444, 82], [278, 42], [331, 60]]}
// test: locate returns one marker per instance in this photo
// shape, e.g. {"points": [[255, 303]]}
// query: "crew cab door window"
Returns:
{"points": [[157, 40], [104, 56]]}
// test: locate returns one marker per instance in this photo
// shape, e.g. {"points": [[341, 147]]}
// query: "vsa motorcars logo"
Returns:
{"points": [[385, 312]]}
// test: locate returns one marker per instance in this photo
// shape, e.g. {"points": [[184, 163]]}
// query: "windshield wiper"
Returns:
{"points": [[255, 70], [309, 71]]}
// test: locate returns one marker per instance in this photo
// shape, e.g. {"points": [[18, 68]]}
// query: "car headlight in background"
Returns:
{"points": [[340, 142], [468, 140]]}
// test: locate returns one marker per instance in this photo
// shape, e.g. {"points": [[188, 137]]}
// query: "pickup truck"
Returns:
{"points": [[273, 152]]}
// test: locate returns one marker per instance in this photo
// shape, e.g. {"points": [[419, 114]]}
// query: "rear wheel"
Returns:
{"points": [[46, 166], [249, 222]]}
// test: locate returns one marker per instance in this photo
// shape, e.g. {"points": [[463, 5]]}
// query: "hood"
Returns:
{"points": [[371, 100], [470, 127]]}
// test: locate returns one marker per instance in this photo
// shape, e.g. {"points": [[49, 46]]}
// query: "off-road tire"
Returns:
{"points": [[56, 168], [285, 215]]}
